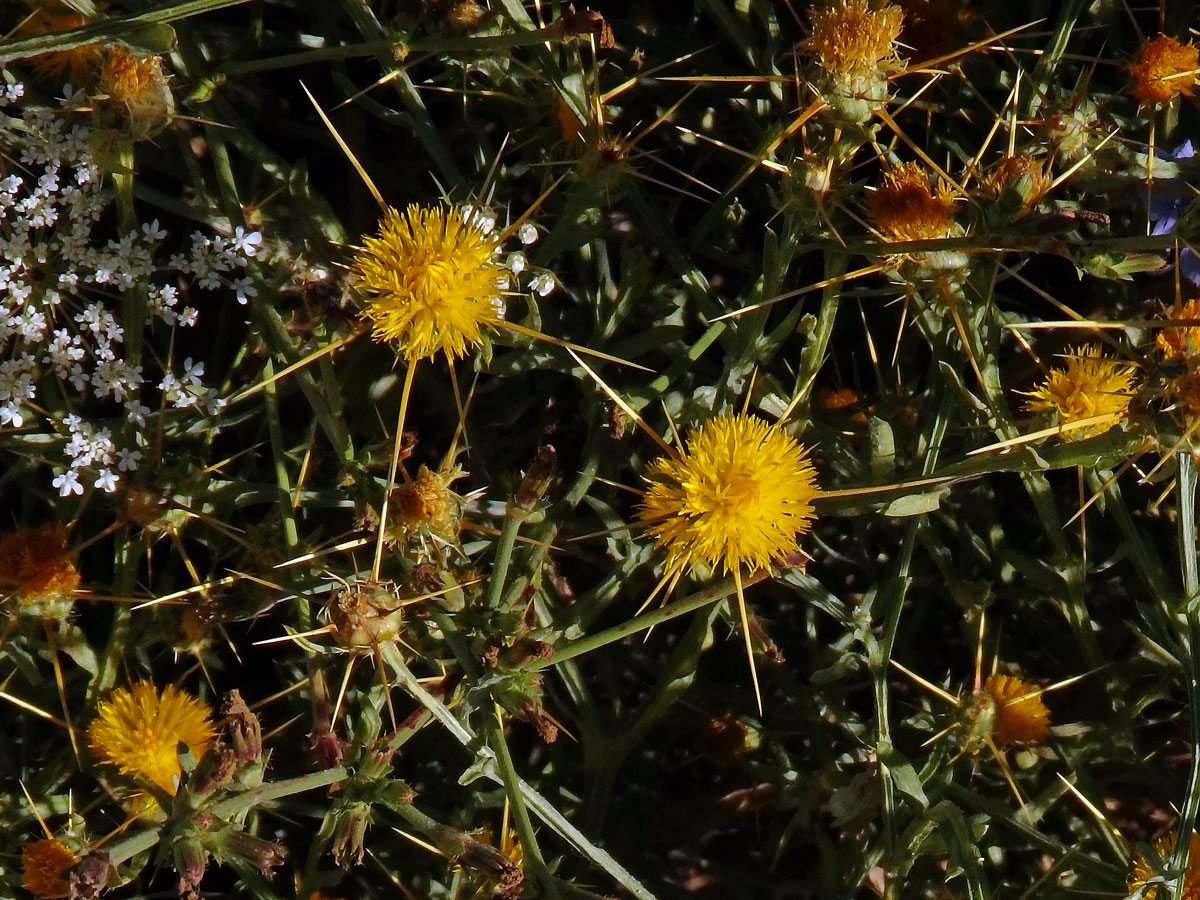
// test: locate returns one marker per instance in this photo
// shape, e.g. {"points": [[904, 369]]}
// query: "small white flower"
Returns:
{"points": [[245, 289], [516, 263], [246, 243], [10, 414], [67, 483], [192, 373], [127, 460], [152, 232], [107, 481], [542, 284], [136, 412], [527, 233]]}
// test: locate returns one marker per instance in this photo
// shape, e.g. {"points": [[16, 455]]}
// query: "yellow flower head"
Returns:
{"points": [[35, 566], [138, 731], [1088, 385], [739, 494], [1162, 68], [42, 865], [78, 65], [1021, 716], [850, 40], [1141, 872], [1185, 339], [906, 208], [432, 281]]}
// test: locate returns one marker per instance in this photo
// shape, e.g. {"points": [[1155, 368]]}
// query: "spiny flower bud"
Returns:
{"points": [[536, 480], [191, 859], [244, 728]]}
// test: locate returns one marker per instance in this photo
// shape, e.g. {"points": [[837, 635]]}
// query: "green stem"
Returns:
{"points": [[504, 549], [534, 862], [274, 790], [1191, 589], [713, 593]]}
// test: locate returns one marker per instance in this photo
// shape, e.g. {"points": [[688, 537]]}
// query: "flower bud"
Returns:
{"points": [[191, 859], [244, 728], [537, 479]]}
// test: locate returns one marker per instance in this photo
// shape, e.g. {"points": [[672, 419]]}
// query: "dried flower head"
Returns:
{"points": [[76, 66], [42, 866], [1162, 68], [1021, 716], [136, 87], [1141, 872], [739, 494], [426, 502], [139, 730], [34, 565], [906, 208], [1088, 385], [432, 280], [1182, 340], [852, 43]]}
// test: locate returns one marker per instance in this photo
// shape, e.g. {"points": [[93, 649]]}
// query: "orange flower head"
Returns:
{"points": [[42, 865], [1162, 68], [136, 87], [427, 502], [1141, 872], [35, 566], [139, 730], [1183, 340], [1021, 716], [906, 208], [77, 65]]}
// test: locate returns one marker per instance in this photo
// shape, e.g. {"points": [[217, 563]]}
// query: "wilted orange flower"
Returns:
{"points": [[1162, 68], [1141, 872], [906, 208], [77, 65], [137, 86], [836, 398], [42, 865], [427, 501], [34, 565], [139, 731], [1021, 716], [1183, 340]]}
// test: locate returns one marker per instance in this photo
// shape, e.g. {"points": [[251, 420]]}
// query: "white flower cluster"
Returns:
{"points": [[59, 285], [537, 281]]}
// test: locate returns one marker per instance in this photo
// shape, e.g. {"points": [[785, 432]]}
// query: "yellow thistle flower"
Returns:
{"points": [[77, 65], [1088, 385], [1141, 872], [906, 208], [42, 865], [853, 43], [1183, 340], [432, 281], [138, 730], [1021, 716], [35, 566], [1162, 68], [739, 494]]}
